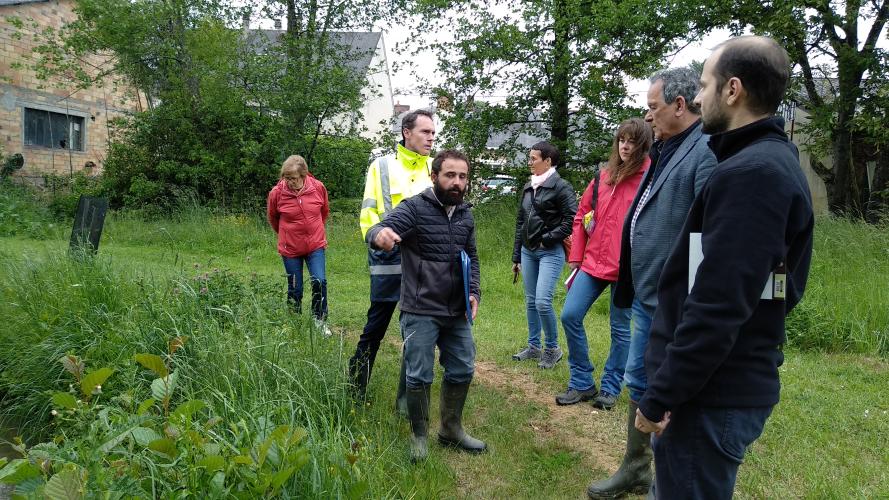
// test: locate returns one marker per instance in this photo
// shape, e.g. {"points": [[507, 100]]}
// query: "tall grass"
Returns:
{"points": [[247, 356], [846, 304], [215, 278]]}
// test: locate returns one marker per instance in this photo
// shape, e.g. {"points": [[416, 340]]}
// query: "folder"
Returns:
{"points": [[466, 267], [775, 288]]}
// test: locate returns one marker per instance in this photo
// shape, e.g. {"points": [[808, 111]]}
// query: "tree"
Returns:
{"points": [[822, 39], [562, 65], [226, 104]]}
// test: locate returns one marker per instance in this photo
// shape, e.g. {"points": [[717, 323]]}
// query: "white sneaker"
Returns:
{"points": [[322, 327]]}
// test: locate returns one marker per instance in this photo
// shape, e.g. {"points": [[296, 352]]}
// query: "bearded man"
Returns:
{"points": [[433, 228]]}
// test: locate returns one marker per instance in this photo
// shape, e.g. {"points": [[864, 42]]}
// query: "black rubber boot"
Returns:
{"points": [[634, 474], [319, 299], [453, 397], [360, 368], [400, 397], [417, 401]]}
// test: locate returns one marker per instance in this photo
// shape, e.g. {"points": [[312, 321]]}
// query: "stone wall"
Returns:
{"points": [[21, 88]]}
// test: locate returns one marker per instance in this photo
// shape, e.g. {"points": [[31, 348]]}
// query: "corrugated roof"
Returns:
{"points": [[361, 45]]}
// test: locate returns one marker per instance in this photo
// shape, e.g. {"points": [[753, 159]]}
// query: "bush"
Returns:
{"points": [[341, 164], [22, 213]]}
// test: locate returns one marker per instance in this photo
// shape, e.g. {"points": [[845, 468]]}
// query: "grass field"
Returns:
{"points": [[255, 365]]}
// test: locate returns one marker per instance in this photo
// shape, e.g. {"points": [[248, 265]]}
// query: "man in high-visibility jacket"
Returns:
{"points": [[390, 180]]}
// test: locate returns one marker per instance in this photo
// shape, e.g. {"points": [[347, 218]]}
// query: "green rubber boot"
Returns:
{"points": [[417, 401], [634, 474], [453, 397]]}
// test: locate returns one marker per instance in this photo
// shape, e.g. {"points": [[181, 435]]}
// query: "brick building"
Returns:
{"points": [[57, 127]]}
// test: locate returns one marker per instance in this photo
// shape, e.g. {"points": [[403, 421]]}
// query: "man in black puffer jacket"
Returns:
{"points": [[715, 346], [433, 228]]}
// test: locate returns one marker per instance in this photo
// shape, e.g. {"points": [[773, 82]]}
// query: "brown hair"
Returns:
{"points": [[295, 164], [762, 66], [639, 132]]}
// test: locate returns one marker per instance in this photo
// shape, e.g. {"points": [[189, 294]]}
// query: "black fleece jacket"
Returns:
{"points": [[719, 345], [431, 272]]}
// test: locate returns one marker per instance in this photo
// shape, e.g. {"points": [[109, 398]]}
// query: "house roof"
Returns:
{"points": [[360, 45], [4, 3]]}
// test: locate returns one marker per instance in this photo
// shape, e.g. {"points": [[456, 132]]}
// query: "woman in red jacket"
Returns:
{"points": [[595, 252], [297, 210]]}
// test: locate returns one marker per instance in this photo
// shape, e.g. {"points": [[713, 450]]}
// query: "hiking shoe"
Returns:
{"points": [[573, 396], [605, 401], [322, 328], [530, 352], [549, 357]]}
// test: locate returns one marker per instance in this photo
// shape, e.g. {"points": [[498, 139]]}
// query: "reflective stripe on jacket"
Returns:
{"points": [[390, 180]]}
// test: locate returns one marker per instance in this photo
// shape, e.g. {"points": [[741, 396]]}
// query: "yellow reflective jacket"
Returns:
{"points": [[391, 179]]}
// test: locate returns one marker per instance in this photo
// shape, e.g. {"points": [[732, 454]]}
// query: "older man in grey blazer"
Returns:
{"points": [[681, 164]]}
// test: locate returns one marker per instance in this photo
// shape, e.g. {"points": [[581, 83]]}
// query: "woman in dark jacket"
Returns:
{"points": [[546, 212], [297, 210]]}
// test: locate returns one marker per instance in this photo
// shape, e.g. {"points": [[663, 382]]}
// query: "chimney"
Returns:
{"points": [[277, 24], [401, 108]]}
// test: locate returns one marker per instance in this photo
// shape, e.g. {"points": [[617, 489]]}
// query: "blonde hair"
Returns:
{"points": [[295, 165]]}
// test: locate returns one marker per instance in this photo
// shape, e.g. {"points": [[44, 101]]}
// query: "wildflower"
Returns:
{"points": [[54, 413], [203, 289], [196, 265], [215, 270], [176, 290]]}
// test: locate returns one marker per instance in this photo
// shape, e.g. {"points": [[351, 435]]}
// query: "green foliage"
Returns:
{"points": [[341, 165], [840, 71], [22, 214], [561, 65], [63, 192]]}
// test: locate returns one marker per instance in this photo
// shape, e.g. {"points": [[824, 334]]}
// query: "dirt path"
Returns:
{"points": [[578, 427]]}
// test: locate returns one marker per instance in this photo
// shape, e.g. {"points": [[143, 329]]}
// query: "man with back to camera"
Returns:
{"points": [[681, 162], [715, 345], [432, 229], [390, 180]]}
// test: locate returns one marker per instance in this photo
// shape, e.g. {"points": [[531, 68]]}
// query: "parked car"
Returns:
{"points": [[498, 184]]}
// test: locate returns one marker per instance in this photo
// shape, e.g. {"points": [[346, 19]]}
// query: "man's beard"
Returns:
{"points": [[717, 122], [451, 197]]}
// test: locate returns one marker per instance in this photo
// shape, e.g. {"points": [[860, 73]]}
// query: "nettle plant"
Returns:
{"points": [[116, 447]]}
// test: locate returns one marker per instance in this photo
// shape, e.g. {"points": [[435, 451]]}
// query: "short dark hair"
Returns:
{"points": [[547, 150], [448, 154], [410, 119], [762, 66]]}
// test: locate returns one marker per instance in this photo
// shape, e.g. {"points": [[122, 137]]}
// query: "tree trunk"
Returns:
{"points": [[877, 207], [560, 95]]}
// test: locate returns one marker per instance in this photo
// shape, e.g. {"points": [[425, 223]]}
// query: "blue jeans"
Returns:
{"points": [[293, 266], [452, 335], [698, 454], [583, 292], [634, 376], [540, 272]]}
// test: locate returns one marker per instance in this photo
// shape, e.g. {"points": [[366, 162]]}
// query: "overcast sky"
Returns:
{"points": [[406, 92]]}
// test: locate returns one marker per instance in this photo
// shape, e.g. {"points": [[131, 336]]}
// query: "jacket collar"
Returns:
{"points": [[727, 144], [429, 195], [410, 158], [308, 188], [549, 183], [691, 137]]}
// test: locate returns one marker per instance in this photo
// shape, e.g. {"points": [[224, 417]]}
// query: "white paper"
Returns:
{"points": [[696, 256]]}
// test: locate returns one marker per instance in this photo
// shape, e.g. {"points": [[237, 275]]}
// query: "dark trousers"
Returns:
{"points": [[699, 452], [378, 317]]}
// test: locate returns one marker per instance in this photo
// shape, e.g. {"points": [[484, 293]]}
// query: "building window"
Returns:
{"points": [[53, 130]]}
